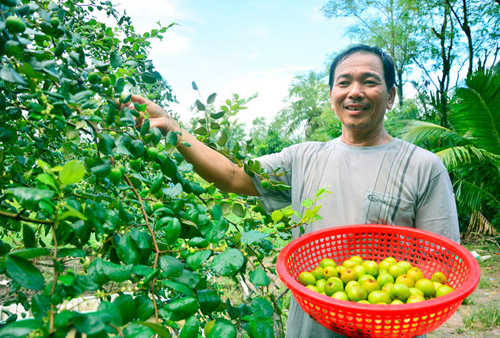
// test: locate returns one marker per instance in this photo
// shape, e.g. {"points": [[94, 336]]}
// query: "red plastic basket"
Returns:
{"points": [[428, 251]]}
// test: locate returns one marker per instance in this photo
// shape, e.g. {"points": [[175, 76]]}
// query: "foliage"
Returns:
{"points": [[80, 184], [470, 149], [308, 105]]}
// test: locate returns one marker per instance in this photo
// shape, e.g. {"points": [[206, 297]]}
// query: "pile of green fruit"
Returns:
{"points": [[366, 281]]}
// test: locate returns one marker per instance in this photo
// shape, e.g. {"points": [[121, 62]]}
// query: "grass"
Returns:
{"points": [[484, 318]]}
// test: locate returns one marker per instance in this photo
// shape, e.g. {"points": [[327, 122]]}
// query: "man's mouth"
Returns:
{"points": [[355, 107]]}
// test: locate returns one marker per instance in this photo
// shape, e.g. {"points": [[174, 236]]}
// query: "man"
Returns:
{"points": [[373, 177]]}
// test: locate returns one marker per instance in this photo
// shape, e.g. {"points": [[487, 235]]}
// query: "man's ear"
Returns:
{"points": [[392, 98], [331, 100]]}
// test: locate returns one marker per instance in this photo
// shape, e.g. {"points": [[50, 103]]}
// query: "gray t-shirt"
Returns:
{"points": [[394, 183]]}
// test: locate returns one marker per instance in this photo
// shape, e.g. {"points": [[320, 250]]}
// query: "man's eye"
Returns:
{"points": [[343, 83]]}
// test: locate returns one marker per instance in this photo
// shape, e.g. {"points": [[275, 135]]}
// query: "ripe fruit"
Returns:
{"points": [[370, 285], [443, 290], [312, 288], [357, 259], [356, 293], [333, 285], [327, 262], [318, 272], [400, 291], [306, 278], [405, 279], [351, 283], [439, 277], [340, 295], [365, 277], [348, 275], [426, 286], [371, 267], [379, 297], [405, 265], [385, 278], [396, 270], [415, 299], [415, 273], [350, 263], [385, 265], [320, 285], [330, 271], [360, 270]]}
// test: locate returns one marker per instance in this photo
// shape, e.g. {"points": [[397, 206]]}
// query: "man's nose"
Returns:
{"points": [[356, 90]]}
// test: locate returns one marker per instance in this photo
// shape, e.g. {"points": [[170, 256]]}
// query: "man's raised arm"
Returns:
{"points": [[208, 163]]}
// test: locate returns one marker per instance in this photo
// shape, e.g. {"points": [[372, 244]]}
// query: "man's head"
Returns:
{"points": [[361, 90], [387, 62]]}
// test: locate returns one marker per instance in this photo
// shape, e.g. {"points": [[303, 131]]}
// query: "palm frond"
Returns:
{"points": [[475, 113], [470, 195], [420, 132], [455, 157]]}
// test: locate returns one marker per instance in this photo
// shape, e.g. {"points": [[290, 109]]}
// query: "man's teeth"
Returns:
{"points": [[355, 108]]}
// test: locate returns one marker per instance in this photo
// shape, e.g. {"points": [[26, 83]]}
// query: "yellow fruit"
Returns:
{"points": [[106, 81], [439, 277]]}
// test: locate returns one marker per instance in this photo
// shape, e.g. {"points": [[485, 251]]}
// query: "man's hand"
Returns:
{"points": [[157, 116]]}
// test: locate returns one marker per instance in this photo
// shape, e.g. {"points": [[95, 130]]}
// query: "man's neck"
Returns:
{"points": [[362, 140]]}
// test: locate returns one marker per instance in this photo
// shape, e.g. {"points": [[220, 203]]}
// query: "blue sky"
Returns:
{"points": [[235, 46]]}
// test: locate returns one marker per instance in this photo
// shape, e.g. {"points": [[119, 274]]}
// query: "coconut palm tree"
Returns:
{"points": [[470, 148]]}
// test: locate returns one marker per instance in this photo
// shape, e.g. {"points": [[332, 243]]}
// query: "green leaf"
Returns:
{"points": [[144, 307], [173, 191], [106, 144], [229, 262], [126, 249], [252, 236], [30, 253], [190, 328], [193, 84], [21, 328], [201, 131], [156, 328], [261, 308], [127, 307], [24, 273], [183, 308], [171, 228], [180, 287], [48, 180], [28, 236], [171, 266], [72, 172], [148, 78], [209, 301], [261, 329], [239, 210], [10, 75], [211, 98], [92, 322], [115, 60], [195, 260], [223, 329], [307, 203], [218, 115], [200, 106], [30, 195], [259, 277], [277, 215]]}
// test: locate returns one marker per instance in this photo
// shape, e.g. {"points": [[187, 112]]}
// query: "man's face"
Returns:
{"points": [[359, 94]]}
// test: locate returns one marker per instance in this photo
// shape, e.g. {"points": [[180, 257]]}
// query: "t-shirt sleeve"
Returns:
{"points": [[437, 210], [273, 199]]}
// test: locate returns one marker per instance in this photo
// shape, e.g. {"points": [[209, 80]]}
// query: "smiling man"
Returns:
{"points": [[374, 178]]}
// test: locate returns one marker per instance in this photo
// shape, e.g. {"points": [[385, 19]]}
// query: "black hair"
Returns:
{"points": [[387, 63]]}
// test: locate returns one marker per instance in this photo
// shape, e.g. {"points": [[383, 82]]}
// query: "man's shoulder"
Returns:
{"points": [[421, 157]]}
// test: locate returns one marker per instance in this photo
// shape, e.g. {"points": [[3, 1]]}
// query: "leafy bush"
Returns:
{"points": [[81, 186]]}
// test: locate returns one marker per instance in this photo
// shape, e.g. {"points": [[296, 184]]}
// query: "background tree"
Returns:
{"points": [[308, 100]]}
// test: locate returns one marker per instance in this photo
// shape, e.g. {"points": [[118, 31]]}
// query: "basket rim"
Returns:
{"points": [[459, 294]]}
